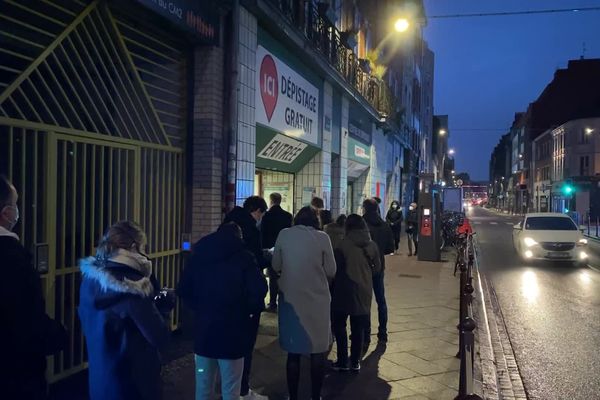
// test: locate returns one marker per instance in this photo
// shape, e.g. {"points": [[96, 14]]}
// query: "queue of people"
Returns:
{"points": [[321, 272]]}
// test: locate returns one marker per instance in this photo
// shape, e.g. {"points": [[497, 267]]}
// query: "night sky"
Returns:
{"points": [[488, 68]]}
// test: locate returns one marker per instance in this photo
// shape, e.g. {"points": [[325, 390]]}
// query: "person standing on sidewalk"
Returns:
{"points": [[394, 217], [357, 259], [248, 218], [336, 231], [123, 316], [304, 258], [382, 235], [274, 221], [412, 229], [224, 286], [27, 335]]}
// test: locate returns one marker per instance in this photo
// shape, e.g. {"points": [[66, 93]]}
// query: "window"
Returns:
{"points": [[584, 138], [584, 165], [550, 224]]}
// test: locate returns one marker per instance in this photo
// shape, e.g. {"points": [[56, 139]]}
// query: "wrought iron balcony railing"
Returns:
{"points": [[308, 16]]}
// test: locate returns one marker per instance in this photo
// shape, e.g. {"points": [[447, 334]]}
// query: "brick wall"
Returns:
{"points": [[207, 141]]}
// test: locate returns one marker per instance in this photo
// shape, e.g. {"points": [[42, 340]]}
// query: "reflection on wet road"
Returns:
{"points": [[552, 313]]}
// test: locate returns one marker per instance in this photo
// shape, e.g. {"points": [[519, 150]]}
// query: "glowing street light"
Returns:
{"points": [[401, 25], [451, 151], [588, 131], [442, 132]]}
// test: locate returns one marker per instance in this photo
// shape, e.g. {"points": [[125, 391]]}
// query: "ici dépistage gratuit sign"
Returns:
{"points": [[285, 101]]}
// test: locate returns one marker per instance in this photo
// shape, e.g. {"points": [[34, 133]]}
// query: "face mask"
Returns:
{"points": [[15, 217], [411, 208], [394, 206]]}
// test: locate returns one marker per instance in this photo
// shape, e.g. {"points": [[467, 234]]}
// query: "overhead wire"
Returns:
{"points": [[509, 13]]}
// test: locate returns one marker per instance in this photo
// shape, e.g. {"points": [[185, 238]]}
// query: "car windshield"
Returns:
{"points": [[550, 224]]}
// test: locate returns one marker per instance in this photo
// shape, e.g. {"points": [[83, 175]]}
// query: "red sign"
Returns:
{"points": [[268, 85]]}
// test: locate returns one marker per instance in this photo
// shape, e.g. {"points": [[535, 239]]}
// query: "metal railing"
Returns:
{"points": [[308, 18], [465, 258]]}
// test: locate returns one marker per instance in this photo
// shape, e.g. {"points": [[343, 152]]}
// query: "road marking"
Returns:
{"points": [[509, 223], [477, 223], [594, 268], [494, 223]]}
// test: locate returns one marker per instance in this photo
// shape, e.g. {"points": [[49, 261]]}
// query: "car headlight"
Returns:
{"points": [[529, 242], [582, 242]]}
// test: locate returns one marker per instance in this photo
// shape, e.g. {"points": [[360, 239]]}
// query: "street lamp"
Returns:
{"points": [[442, 132], [401, 25], [588, 131], [451, 151]]}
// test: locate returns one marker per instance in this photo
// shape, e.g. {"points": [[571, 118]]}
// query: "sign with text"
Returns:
{"points": [[197, 17], [285, 101], [283, 149]]}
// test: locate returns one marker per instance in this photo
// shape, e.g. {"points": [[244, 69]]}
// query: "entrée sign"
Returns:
{"points": [[290, 104], [283, 149]]}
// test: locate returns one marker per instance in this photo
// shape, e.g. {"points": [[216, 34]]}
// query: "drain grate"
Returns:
{"points": [[410, 276]]}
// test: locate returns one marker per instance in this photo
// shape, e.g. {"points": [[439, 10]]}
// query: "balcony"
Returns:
{"points": [[310, 17]]}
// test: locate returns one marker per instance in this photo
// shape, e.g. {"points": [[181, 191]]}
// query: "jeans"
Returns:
{"points": [[358, 323], [273, 286], [379, 291], [317, 374], [412, 239], [206, 374], [245, 388]]}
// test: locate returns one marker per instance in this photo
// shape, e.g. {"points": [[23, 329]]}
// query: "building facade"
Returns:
{"points": [[170, 114]]}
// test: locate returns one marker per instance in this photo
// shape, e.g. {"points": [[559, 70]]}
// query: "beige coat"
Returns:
{"points": [[304, 258]]}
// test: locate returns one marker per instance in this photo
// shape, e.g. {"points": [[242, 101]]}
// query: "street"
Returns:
{"points": [[551, 312]]}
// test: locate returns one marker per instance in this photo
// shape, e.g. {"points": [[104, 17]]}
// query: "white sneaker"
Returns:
{"points": [[252, 395]]}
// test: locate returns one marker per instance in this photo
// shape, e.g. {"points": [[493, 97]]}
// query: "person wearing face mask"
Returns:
{"points": [[248, 218], [412, 229], [124, 317], [28, 335], [394, 218]]}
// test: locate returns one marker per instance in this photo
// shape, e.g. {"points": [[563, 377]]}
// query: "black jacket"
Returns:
{"points": [[352, 289], [223, 285], [27, 334], [274, 221], [124, 331], [394, 217], [412, 221], [250, 232], [381, 234]]}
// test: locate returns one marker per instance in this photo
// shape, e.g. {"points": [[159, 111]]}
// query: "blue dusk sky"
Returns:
{"points": [[488, 68]]}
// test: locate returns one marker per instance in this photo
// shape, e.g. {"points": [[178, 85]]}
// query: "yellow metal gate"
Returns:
{"points": [[92, 126]]}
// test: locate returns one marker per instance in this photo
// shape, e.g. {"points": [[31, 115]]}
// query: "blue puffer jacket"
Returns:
{"points": [[224, 287], [123, 328]]}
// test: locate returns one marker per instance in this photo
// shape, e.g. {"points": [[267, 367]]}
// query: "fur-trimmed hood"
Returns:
{"points": [[124, 273]]}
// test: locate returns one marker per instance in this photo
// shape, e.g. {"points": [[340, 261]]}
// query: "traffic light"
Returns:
{"points": [[568, 189]]}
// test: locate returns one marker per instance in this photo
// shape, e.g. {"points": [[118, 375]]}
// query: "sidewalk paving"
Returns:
{"points": [[417, 363]]}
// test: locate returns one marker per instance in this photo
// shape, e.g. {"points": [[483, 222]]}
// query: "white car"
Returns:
{"points": [[549, 236]]}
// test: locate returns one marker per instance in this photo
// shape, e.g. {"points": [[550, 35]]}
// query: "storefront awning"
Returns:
{"points": [[278, 152], [359, 152]]}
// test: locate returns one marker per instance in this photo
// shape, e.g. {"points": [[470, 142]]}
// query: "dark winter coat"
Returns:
{"points": [[273, 222], [353, 283], [123, 328], [412, 221], [381, 234], [336, 234], [224, 287], [27, 334], [394, 217], [250, 232]]}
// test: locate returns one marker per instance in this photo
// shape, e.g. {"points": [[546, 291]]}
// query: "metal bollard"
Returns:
{"points": [[465, 385], [588, 224]]}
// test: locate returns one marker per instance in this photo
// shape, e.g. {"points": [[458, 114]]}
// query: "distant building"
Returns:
{"points": [[575, 164], [573, 93], [500, 171]]}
